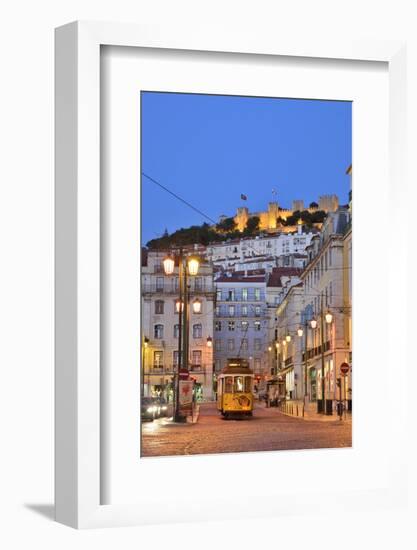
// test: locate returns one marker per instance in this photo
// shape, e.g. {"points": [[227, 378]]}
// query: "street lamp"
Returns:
{"points": [[209, 341], [186, 266], [288, 337], [328, 318], [193, 265], [168, 265], [197, 306], [300, 331], [144, 348]]}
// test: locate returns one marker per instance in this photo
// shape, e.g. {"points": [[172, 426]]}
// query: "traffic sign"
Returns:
{"points": [[344, 368]]}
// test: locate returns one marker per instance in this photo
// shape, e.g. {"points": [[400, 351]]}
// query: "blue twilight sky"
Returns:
{"points": [[210, 149]]}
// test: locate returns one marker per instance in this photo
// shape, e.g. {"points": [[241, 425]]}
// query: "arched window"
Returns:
{"points": [[197, 331], [159, 332], [176, 331]]}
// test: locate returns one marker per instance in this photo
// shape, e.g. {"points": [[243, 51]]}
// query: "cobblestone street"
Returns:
{"points": [[267, 430]]}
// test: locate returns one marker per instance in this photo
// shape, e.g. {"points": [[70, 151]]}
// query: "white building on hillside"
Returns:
{"points": [[257, 252]]}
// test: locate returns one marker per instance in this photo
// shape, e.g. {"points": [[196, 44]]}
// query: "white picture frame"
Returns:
{"points": [[78, 405]]}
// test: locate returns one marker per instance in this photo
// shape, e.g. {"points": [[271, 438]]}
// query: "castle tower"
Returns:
{"points": [[241, 217], [297, 204], [273, 213], [328, 203]]}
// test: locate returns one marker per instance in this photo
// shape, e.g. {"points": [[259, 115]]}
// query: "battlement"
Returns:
{"points": [[268, 219]]}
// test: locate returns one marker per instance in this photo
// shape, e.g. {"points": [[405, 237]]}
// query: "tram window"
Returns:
{"points": [[228, 384], [247, 384], [238, 383]]}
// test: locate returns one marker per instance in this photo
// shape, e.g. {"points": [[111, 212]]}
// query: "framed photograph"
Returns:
{"points": [[219, 337]]}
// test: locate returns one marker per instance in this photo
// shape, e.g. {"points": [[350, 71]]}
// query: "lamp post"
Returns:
{"points": [[144, 348], [324, 318], [186, 266], [303, 332]]}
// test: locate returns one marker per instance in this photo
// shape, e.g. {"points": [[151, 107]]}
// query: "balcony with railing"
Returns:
{"points": [[158, 370], [206, 287], [317, 350]]}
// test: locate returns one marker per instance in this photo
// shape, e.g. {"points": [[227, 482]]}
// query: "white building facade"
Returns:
{"points": [[160, 328]]}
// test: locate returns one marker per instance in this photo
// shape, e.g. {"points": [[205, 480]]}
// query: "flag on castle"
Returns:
{"points": [[243, 197]]}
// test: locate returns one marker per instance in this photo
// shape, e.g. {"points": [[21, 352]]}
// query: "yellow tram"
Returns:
{"points": [[234, 389]]}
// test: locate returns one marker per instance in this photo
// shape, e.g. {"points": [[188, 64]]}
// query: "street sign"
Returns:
{"points": [[344, 368]]}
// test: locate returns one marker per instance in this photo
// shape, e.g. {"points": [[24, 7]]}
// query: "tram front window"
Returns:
{"points": [[248, 384], [228, 386], [238, 384]]}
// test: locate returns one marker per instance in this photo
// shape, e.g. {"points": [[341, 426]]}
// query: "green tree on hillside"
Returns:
{"points": [[227, 225], [252, 226]]}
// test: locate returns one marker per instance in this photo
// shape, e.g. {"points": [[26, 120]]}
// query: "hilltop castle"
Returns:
{"points": [[269, 218]]}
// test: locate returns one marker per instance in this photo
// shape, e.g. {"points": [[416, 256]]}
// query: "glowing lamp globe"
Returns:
{"points": [[328, 317], [168, 265], [193, 265]]}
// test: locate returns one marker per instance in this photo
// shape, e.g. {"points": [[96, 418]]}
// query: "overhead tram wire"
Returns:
{"points": [[178, 197]]}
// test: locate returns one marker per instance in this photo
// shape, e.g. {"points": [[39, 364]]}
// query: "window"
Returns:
{"points": [[230, 345], [257, 325], [176, 331], [198, 283], [159, 283], [197, 330], [175, 358], [330, 292], [218, 295], [244, 311], [330, 256], [244, 294], [228, 386], [257, 364], [196, 358], [257, 344], [257, 294], [218, 345], [159, 332], [231, 325], [248, 384], [244, 325], [158, 359], [231, 295], [257, 311], [238, 386], [159, 307], [217, 311], [244, 344], [218, 325], [231, 311]]}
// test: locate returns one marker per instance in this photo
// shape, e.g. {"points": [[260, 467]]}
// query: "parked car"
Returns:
{"points": [[149, 409]]}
